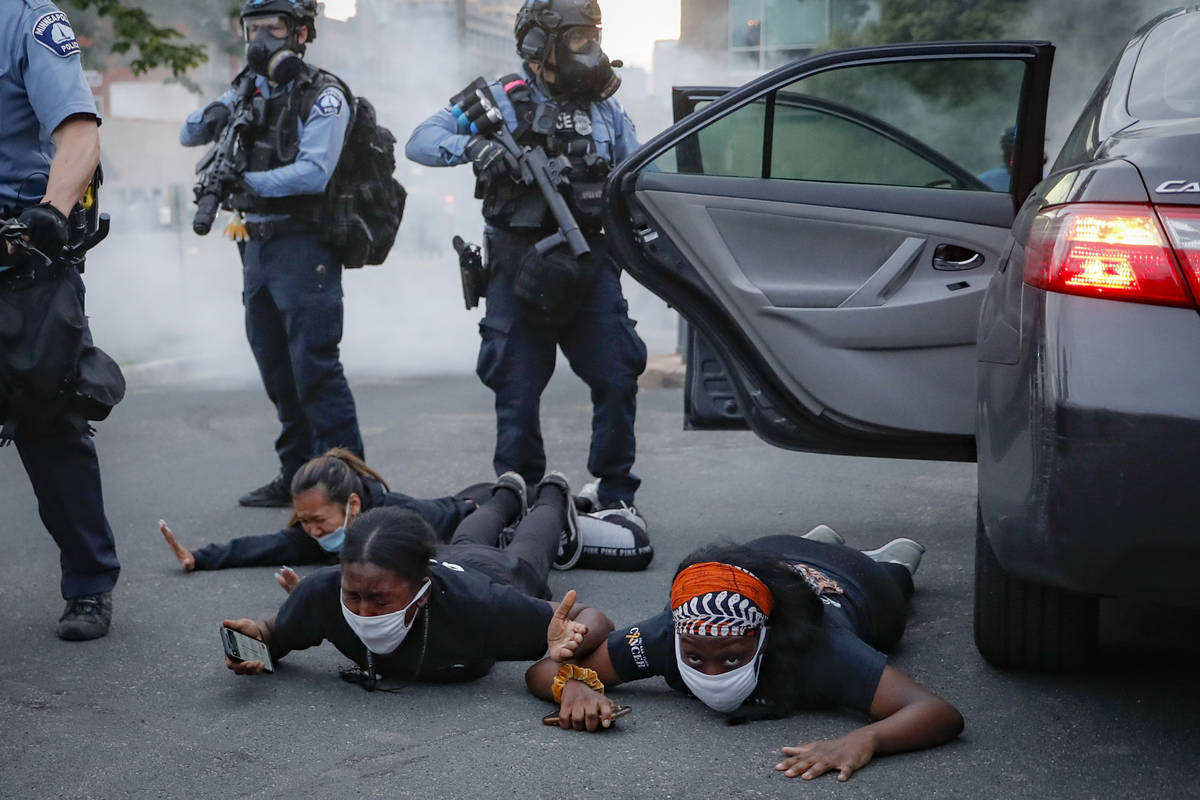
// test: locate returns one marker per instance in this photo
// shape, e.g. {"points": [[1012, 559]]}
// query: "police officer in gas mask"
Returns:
{"points": [[293, 281], [561, 100]]}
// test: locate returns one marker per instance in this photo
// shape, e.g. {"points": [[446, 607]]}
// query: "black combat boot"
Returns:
{"points": [[276, 494]]}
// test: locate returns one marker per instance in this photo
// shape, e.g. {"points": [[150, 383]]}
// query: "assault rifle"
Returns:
{"points": [[531, 165], [223, 165]]}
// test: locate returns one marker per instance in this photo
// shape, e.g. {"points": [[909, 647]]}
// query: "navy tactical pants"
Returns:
{"points": [[62, 466], [516, 360], [293, 299]]}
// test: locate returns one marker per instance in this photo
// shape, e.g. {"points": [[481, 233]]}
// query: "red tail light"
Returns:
{"points": [[1183, 224], [1117, 252]]}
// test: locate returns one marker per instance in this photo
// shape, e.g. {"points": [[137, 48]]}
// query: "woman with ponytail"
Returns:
{"points": [[328, 493]]}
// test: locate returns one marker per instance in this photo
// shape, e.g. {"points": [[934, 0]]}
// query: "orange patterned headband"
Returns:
{"points": [[714, 599]]}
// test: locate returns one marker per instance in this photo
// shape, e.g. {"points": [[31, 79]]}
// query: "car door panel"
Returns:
{"points": [[843, 316], [881, 312]]}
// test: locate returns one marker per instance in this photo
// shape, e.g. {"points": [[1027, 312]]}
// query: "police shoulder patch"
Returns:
{"points": [[53, 32], [329, 102]]}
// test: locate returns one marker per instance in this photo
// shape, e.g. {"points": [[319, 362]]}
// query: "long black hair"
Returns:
{"points": [[339, 472], [392, 538], [795, 622]]}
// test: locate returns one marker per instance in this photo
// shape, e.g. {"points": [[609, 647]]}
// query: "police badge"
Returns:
{"points": [[583, 123]]}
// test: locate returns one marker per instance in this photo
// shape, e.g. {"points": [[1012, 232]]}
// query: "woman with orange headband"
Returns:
{"points": [[760, 630]]}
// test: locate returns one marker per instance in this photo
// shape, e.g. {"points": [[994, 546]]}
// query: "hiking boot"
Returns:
{"points": [[904, 552], [515, 484], [824, 533], [624, 511], [276, 494], [570, 543], [86, 617]]}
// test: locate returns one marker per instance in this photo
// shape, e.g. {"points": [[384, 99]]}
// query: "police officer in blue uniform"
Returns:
{"points": [[560, 100], [292, 280], [49, 150]]}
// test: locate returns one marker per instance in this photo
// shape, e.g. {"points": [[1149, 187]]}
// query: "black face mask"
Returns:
{"points": [[272, 58], [583, 76]]}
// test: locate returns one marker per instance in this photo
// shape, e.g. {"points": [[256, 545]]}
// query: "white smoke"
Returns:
{"points": [[159, 293]]}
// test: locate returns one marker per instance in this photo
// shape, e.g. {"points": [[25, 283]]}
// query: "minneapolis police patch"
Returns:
{"points": [[54, 33], [329, 102]]}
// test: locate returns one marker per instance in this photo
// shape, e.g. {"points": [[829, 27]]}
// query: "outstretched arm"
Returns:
{"points": [[287, 546], [909, 717]]}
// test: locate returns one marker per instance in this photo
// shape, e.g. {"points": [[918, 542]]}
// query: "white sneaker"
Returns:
{"points": [[624, 511], [824, 533], [590, 495], [904, 552]]}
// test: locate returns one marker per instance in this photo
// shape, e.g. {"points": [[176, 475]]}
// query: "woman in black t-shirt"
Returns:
{"points": [[331, 490], [763, 629], [467, 604]]}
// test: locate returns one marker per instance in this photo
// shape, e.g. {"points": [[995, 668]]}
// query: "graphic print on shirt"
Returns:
{"points": [[637, 647], [820, 583], [53, 32]]}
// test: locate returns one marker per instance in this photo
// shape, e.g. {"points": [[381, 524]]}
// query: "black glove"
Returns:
{"points": [[487, 157], [47, 229], [216, 116]]}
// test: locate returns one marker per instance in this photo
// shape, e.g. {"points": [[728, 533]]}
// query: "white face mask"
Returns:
{"points": [[725, 692], [384, 633]]}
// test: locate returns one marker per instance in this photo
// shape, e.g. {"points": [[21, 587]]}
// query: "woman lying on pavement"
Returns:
{"points": [[330, 491], [759, 630], [467, 604]]}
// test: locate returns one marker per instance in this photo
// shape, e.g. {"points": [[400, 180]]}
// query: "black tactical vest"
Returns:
{"points": [[276, 143], [562, 127]]}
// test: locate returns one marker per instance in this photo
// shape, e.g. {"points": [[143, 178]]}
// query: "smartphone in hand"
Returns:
{"points": [[618, 712], [241, 647]]}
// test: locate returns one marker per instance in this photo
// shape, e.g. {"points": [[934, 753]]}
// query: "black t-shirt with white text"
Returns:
{"points": [[472, 622]]}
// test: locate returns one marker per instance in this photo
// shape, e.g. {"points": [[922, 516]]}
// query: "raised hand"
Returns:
{"points": [[564, 634], [846, 754], [186, 559], [287, 578]]}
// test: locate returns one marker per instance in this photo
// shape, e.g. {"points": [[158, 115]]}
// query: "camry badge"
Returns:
{"points": [[1178, 187]]}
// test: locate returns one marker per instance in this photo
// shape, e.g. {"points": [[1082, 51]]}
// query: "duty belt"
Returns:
{"points": [[14, 279], [269, 229]]}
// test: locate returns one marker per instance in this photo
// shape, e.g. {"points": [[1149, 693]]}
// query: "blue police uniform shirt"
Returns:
{"points": [[41, 85], [322, 136], [436, 142]]}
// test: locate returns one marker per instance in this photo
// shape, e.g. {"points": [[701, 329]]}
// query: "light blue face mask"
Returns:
{"points": [[332, 542]]}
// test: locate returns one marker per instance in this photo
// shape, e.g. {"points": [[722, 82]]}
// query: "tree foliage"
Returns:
{"points": [[176, 37]]}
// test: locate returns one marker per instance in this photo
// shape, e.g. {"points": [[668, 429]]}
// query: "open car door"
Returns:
{"points": [[829, 230]]}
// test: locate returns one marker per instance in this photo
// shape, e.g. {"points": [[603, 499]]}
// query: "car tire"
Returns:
{"points": [[1023, 625]]}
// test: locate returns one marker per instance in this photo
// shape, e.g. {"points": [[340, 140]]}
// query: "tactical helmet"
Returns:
{"points": [[303, 11], [538, 21]]}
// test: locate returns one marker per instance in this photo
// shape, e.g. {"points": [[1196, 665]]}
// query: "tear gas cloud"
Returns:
{"points": [[157, 292]]}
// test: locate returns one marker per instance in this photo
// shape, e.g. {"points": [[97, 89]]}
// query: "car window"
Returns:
{"points": [[1166, 79], [945, 124]]}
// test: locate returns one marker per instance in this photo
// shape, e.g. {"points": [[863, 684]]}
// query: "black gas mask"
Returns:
{"points": [[277, 58], [581, 68]]}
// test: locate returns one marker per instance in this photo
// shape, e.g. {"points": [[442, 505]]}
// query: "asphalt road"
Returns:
{"points": [[150, 711]]}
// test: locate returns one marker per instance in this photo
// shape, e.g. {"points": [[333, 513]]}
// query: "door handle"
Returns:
{"points": [[953, 258]]}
